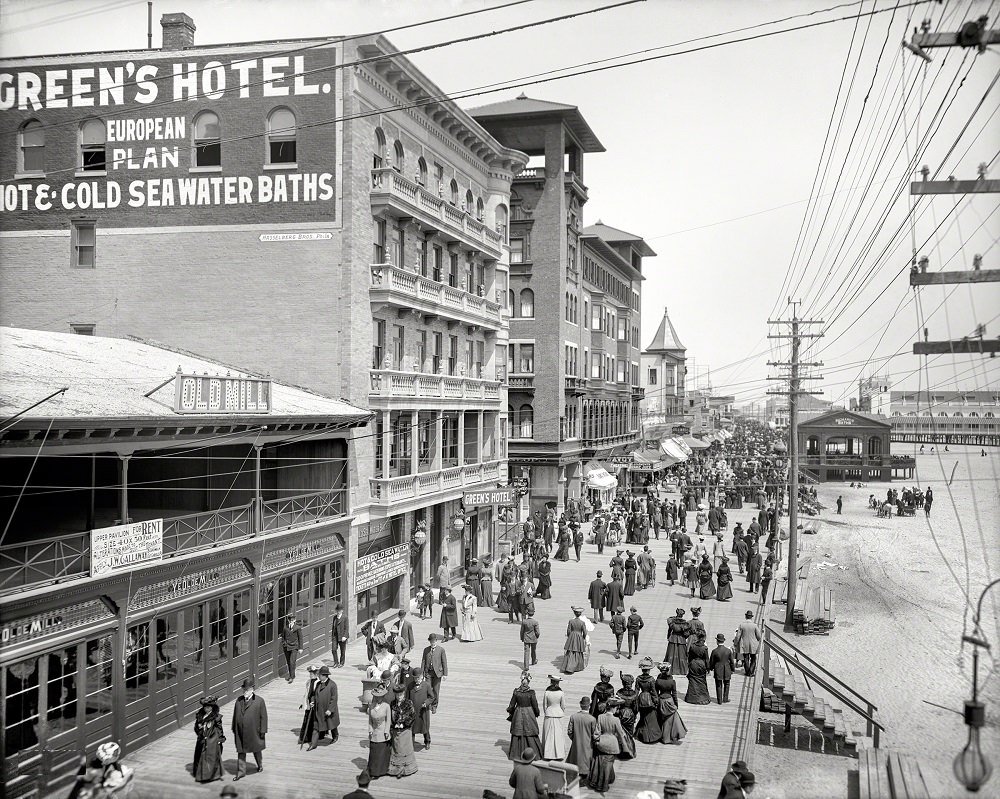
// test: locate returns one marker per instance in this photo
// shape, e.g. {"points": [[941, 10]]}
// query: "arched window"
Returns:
{"points": [[399, 156], [812, 445], [454, 192], [281, 137], [479, 209], [974, 414], [988, 414], [32, 148], [468, 202], [207, 140], [510, 422], [526, 421], [421, 171], [93, 137], [378, 157], [501, 221], [958, 414], [513, 305], [527, 304]]}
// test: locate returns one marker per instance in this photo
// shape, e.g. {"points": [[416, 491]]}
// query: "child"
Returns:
{"points": [[690, 575], [419, 598], [633, 625], [428, 604], [618, 627], [671, 569]]}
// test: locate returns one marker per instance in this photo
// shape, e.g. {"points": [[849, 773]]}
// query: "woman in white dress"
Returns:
{"points": [[555, 741], [590, 628], [470, 610]]}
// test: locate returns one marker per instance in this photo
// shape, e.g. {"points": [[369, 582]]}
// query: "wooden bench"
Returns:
{"points": [[890, 775]]}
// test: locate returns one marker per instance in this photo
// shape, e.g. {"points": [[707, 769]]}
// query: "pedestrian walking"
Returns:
{"points": [[619, 626], [555, 741], [765, 581], [530, 632], [207, 765], [705, 579], [339, 636], [544, 588], [678, 630], [449, 615], [363, 780], [577, 541], [576, 643], [249, 729], [371, 630], [522, 713], [616, 596], [471, 631], [731, 788], [603, 691], [747, 643], [672, 727], [631, 567], [725, 578], [596, 594], [722, 665], [291, 645], [402, 628], [580, 731], [379, 733], [840, 504], [753, 569], [402, 760], [435, 665], [422, 696], [526, 778], [647, 728], [633, 624], [442, 578], [326, 710], [486, 583], [608, 740]]}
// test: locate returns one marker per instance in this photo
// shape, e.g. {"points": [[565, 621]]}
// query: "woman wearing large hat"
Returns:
{"points": [[379, 733], [678, 630], [522, 713], [648, 728], [210, 737], [627, 712], [603, 691], [672, 727], [402, 761], [555, 741]]}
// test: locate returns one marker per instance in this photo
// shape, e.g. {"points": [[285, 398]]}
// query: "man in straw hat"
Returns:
{"points": [[526, 778]]}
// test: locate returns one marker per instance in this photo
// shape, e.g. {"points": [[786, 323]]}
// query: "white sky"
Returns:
{"points": [[697, 140]]}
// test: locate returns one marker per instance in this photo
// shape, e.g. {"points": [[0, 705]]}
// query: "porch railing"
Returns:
{"points": [[47, 560], [277, 514], [204, 530]]}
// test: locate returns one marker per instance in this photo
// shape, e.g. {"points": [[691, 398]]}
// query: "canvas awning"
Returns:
{"points": [[695, 443], [671, 451], [648, 461], [598, 477]]}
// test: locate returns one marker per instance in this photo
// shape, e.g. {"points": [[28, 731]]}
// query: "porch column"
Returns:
{"points": [[479, 436], [386, 443], [438, 442], [123, 487], [414, 440], [258, 504], [461, 438], [561, 492]]}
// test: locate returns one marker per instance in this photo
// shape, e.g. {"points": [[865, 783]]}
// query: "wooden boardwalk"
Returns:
{"points": [[470, 732]]}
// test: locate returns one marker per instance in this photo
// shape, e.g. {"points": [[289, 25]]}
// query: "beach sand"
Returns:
{"points": [[900, 622]]}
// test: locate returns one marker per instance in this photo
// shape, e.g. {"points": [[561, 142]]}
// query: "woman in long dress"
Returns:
{"points": [[379, 733], [648, 728], [576, 643], [725, 577], [678, 630], [672, 727], [630, 568], [602, 692], [208, 748], [562, 553], [555, 741], [697, 687], [470, 625], [544, 589], [522, 713], [402, 761], [627, 712], [701, 520], [486, 583], [608, 738], [696, 630], [705, 578]]}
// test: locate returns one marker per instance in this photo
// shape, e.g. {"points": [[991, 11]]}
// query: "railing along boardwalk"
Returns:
{"points": [[470, 732]]}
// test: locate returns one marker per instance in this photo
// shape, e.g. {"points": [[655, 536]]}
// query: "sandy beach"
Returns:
{"points": [[900, 616]]}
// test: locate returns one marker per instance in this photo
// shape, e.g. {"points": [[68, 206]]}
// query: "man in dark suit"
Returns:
{"points": [[249, 729], [325, 705], [435, 665], [338, 636], [722, 663], [404, 633], [291, 645], [369, 630], [596, 596], [529, 637], [364, 780]]}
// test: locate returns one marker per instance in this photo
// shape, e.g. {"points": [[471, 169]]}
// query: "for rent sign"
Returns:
{"points": [[380, 567], [125, 546]]}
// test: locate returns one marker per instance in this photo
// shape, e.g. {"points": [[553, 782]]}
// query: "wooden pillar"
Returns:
{"points": [[414, 439], [437, 443], [461, 438], [123, 487], [258, 503], [386, 443]]}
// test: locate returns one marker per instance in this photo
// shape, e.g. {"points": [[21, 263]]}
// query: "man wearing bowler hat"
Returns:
{"points": [[526, 778], [435, 665], [249, 728], [325, 706], [731, 782], [723, 664], [291, 645]]}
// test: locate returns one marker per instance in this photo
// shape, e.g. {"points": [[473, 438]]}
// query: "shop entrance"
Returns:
{"points": [[57, 705], [174, 658]]}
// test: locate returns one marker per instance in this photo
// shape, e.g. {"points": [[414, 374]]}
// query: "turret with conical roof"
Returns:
{"points": [[666, 338]]}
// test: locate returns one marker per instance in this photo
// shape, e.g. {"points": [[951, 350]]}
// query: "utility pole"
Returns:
{"points": [[794, 392]]}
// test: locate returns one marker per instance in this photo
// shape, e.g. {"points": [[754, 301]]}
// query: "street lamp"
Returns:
{"points": [[971, 767]]}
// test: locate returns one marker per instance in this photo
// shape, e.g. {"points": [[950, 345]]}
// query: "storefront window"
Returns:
{"points": [[60, 693], [265, 615], [302, 597], [218, 631], [21, 706], [285, 600], [137, 662], [319, 592], [337, 582], [241, 605], [193, 640], [100, 655], [167, 649]]}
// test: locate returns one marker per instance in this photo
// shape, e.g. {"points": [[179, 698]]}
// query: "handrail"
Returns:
{"points": [[743, 748], [770, 631], [866, 715]]}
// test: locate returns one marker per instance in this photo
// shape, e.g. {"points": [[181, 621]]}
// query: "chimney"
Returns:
{"points": [[178, 31]]}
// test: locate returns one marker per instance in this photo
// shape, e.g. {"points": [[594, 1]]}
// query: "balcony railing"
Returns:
{"points": [[392, 189], [638, 392], [847, 460], [521, 382], [611, 441], [389, 383], [52, 559], [394, 489], [412, 290], [576, 385]]}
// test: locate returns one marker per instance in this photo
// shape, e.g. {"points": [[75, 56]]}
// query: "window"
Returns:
{"points": [[207, 140], [479, 209], [526, 418], [93, 137], [467, 207], [422, 264], [399, 156], [527, 354], [501, 221], [378, 157], [439, 177], [421, 171], [438, 263], [398, 342], [452, 354], [510, 360], [436, 364], [84, 330], [32, 148], [622, 372], [622, 329], [480, 358], [454, 192], [586, 312], [378, 254], [422, 351], [397, 248], [83, 241], [281, 137], [501, 289], [453, 270], [517, 251], [652, 377], [527, 303], [513, 303], [470, 357], [595, 365], [378, 344], [597, 319]]}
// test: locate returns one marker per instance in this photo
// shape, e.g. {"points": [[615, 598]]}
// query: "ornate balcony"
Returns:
{"points": [[638, 393], [576, 386], [391, 384], [412, 486], [521, 382], [611, 441], [404, 199], [409, 291]]}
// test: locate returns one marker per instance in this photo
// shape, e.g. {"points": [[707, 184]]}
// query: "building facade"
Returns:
{"points": [[945, 417], [663, 373], [175, 512], [575, 299], [286, 206]]}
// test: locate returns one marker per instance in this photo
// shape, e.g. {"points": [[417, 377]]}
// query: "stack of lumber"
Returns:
{"points": [[814, 612]]}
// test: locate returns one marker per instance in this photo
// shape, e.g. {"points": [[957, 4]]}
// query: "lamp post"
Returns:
{"points": [[971, 767]]}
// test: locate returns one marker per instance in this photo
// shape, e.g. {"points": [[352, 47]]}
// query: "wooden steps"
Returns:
{"points": [[790, 685], [883, 774]]}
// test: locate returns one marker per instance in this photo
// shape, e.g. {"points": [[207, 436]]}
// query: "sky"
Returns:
{"points": [[714, 150]]}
